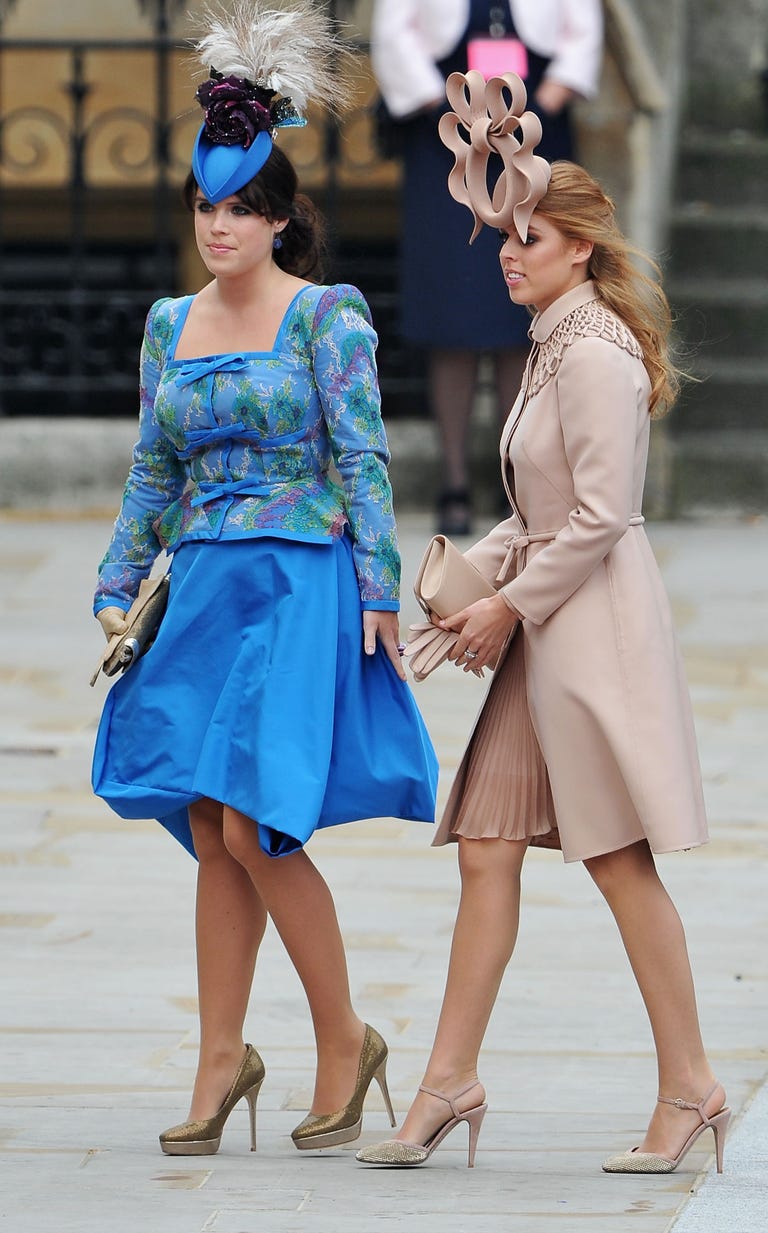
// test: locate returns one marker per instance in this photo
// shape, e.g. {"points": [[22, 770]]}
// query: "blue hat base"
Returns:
{"points": [[221, 171]]}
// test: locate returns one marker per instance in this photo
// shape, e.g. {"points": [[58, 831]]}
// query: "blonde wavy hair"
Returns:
{"points": [[579, 208]]}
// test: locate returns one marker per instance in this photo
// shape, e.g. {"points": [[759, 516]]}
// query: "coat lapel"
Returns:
{"points": [[507, 473], [541, 327]]}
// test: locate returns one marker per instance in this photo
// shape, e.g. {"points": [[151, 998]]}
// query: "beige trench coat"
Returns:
{"points": [[605, 683]]}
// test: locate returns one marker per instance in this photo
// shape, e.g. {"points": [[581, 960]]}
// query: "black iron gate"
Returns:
{"points": [[90, 212], [73, 296]]}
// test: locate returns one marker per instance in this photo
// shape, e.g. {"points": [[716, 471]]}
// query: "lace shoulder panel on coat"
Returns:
{"points": [[592, 320]]}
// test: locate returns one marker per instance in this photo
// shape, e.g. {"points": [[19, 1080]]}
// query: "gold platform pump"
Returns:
{"points": [[332, 1129], [203, 1138]]}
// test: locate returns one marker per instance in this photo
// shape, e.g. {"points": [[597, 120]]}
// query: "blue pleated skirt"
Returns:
{"points": [[257, 693]]}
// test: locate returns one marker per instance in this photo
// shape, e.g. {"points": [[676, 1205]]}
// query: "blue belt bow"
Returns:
{"points": [[198, 439], [211, 490]]}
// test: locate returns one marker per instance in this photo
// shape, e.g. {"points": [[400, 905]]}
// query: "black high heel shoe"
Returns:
{"points": [[454, 509]]}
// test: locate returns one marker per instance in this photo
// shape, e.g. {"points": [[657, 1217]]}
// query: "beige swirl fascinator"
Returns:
{"points": [[482, 123]]}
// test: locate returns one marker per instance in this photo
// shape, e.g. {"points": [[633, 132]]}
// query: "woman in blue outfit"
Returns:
{"points": [[273, 701]]}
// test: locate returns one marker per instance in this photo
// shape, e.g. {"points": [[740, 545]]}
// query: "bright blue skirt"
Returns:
{"points": [[257, 693]]}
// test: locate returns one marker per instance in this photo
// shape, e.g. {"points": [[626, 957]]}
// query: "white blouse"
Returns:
{"points": [[408, 37]]}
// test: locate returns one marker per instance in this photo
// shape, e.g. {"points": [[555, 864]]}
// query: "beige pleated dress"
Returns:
{"points": [[586, 738]]}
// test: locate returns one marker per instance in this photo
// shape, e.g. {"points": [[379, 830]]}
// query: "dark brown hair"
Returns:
{"points": [[272, 193]]}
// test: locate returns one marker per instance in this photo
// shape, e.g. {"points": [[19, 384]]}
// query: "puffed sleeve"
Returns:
{"points": [[404, 69], [602, 397], [343, 357], [576, 60], [155, 480]]}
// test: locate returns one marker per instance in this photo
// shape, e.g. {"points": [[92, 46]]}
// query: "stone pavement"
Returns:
{"points": [[97, 1020]]}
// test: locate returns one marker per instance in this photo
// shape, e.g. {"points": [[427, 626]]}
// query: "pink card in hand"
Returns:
{"points": [[493, 57]]}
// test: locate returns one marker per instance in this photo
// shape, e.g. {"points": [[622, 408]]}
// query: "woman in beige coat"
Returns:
{"points": [[586, 738]]}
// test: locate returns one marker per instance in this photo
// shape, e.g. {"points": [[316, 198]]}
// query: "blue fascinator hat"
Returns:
{"points": [[221, 171], [267, 65], [235, 139]]}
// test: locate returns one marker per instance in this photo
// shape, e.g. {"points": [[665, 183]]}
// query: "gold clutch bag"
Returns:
{"points": [[143, 617], [445, 584]]}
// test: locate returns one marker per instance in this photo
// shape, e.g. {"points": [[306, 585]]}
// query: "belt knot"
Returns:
{"points": [[518, 543]]}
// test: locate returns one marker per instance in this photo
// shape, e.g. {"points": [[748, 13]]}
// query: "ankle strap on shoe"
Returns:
{"points": [[697, 1107], [430, 1091]]}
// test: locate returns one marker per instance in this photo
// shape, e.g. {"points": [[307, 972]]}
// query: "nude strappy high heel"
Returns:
{"points": [[635, 1161], [397, 1152]]}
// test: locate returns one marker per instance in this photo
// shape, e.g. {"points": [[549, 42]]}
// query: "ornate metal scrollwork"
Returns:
{"points": [[25, 137], [131, 149], [72, 309]]}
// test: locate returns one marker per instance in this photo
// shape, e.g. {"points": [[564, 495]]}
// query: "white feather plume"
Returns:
{"points": [[288, 47]]}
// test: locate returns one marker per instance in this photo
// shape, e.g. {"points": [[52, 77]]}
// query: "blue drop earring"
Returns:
{"points": [[277, 242]]}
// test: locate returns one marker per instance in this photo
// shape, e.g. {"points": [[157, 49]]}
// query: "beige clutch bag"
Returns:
{"points": [[143, 617], [446, 583]]}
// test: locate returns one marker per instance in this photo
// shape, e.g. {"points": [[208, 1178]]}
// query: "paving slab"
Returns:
{"points": [[98, 1029]]}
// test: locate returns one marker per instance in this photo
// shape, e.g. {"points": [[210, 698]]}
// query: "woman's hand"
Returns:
{"points": [[552, 97], [483, 627], [112, 621], [386, 627]]}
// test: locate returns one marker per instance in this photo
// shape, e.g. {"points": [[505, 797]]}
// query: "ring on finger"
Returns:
{"points": [[470, 654]]}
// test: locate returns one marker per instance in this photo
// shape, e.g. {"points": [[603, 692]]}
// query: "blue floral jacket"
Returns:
{"points": [[239, 445]]}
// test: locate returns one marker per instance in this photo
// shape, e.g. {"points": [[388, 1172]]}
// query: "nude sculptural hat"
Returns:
{"points": [[481, 123]]}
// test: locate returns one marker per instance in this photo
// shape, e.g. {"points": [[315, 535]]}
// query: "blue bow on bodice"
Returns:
{"points": [[211, 490], [195, 370], [198, 439]]}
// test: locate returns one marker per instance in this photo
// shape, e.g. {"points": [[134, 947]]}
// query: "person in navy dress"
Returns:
{"points": [[452, 305]]}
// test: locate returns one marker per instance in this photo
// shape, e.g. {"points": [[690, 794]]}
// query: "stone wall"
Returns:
{"points": [[727, 53]]}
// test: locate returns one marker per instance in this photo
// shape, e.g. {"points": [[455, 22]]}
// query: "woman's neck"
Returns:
{"points": [[238, 292]]}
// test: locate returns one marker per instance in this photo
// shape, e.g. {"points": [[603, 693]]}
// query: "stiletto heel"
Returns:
{"points": [[720, 1127], [647, 1162], [332, 1129], [203, 1138], [251, 1097], [399, 1153], [381, 1078], [474, 1119]]}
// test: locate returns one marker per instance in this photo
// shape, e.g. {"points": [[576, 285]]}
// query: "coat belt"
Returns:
{"points": [[517, 543]]}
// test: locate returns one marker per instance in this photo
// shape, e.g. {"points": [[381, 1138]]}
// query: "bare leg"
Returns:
{"points": [[230, 923], [484, 938], [655, 943], [300, 904]]}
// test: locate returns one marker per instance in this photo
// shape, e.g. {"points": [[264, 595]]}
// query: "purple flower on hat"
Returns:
{"points": [[235, 110]]}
